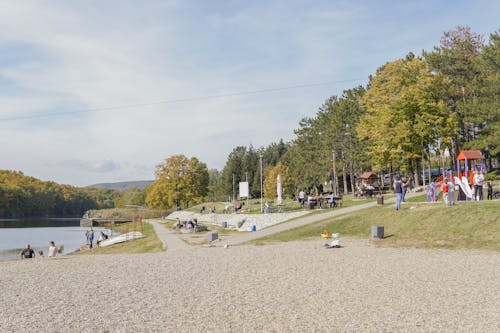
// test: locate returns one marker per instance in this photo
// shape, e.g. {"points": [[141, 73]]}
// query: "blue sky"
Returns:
{"points": [[61, 57]]}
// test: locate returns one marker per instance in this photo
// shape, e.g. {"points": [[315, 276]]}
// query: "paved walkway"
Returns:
{"points": [[169, 240]]}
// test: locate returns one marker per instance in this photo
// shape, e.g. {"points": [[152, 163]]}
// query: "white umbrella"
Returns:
{"points": [[279, 189]]}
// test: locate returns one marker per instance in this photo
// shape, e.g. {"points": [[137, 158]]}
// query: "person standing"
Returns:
{"points": [[490, 190], [398, 190], [433, 192], [91, 238], [27, 252], [478, 186], [302, 197], [404, 188], [52, 250], [451, 193], [444, 188]]}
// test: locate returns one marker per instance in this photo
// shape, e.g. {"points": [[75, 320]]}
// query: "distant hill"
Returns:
{"points": [[122, 186]]}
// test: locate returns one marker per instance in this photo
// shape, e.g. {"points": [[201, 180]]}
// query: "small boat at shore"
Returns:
{"points": [[121, 238]]}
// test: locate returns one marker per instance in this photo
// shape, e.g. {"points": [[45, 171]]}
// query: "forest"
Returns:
{"points": [[24, 196]]}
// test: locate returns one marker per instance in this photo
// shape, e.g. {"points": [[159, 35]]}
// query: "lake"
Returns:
{"points": [[16, 233]]}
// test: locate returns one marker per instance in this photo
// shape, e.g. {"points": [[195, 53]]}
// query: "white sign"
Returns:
{"points": [[243, 189]]}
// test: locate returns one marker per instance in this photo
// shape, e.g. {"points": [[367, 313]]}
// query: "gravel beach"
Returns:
{"points": [[286, 287]]}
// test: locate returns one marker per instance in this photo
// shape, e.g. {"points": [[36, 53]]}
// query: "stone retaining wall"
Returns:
{"points": [[241, 222]]}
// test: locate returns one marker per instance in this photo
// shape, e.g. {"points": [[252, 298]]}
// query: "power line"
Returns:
{"points": [[175, 101]]}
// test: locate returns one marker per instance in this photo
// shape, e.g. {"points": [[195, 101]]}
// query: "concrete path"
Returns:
{"points": [[169, 240]]}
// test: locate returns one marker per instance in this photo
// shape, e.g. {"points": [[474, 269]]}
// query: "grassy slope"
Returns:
{"points": [[466, 225], [150, 243], [288, 205]]}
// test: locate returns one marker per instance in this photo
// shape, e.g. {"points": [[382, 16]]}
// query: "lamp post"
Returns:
{"points": [[260, 162], [179, 173], [335, 183]]}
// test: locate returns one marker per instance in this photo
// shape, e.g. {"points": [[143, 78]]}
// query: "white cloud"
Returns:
{"points": [[87, 55]]}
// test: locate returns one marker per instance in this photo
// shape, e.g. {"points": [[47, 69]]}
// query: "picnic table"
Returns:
{"points": [[324, 201]]}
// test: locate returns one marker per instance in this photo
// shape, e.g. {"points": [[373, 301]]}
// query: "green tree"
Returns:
{"points": [[309, 159], [132, 196], [487, 102], [404, 114], [456, 58]]}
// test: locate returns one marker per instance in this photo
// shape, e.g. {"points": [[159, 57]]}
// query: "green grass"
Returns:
{"points": [[150, 243], [471, 225]]}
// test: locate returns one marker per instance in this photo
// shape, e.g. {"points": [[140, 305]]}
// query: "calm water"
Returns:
{"points": [[15, 234]]}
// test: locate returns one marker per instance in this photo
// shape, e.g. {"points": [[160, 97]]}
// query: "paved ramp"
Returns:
{"points": [[169, 240]]}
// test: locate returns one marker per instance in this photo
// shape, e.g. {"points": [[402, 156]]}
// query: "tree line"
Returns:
{"points": [[24, 196], [411, 110]]}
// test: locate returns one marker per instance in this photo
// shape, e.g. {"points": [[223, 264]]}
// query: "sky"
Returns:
{"points": [[103, 91]]}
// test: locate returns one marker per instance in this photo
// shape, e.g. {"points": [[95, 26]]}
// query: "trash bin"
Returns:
{"points": [[254, 228], [380, 200], [377, 232], [214, 235]]}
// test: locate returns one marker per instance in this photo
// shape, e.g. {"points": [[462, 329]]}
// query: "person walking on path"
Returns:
{"points": [[398, 190], [27, 252]]}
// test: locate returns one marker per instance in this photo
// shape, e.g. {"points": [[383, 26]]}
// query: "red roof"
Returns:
{"points": [[470, 155], [368, 175]]}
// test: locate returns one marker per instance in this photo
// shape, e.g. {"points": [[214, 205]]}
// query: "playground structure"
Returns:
{"points": [[469, 162], [367, 184]]}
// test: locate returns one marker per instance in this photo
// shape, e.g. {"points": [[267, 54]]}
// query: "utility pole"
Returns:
{"points": [[233, 188], [248, 194], [261, 204], [335, 184]]}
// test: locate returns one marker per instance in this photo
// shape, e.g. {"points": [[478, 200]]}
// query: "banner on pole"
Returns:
{"points": [[243, 189]]}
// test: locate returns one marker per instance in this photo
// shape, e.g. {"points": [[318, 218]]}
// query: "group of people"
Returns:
{"points": [[317, 200], [401, 187], [447, 190], [203, 209], [190, 224], [53, 250], [89, 235]]}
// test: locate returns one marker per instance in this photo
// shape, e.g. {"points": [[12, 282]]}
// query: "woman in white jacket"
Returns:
{"points": [[52, 250]]}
